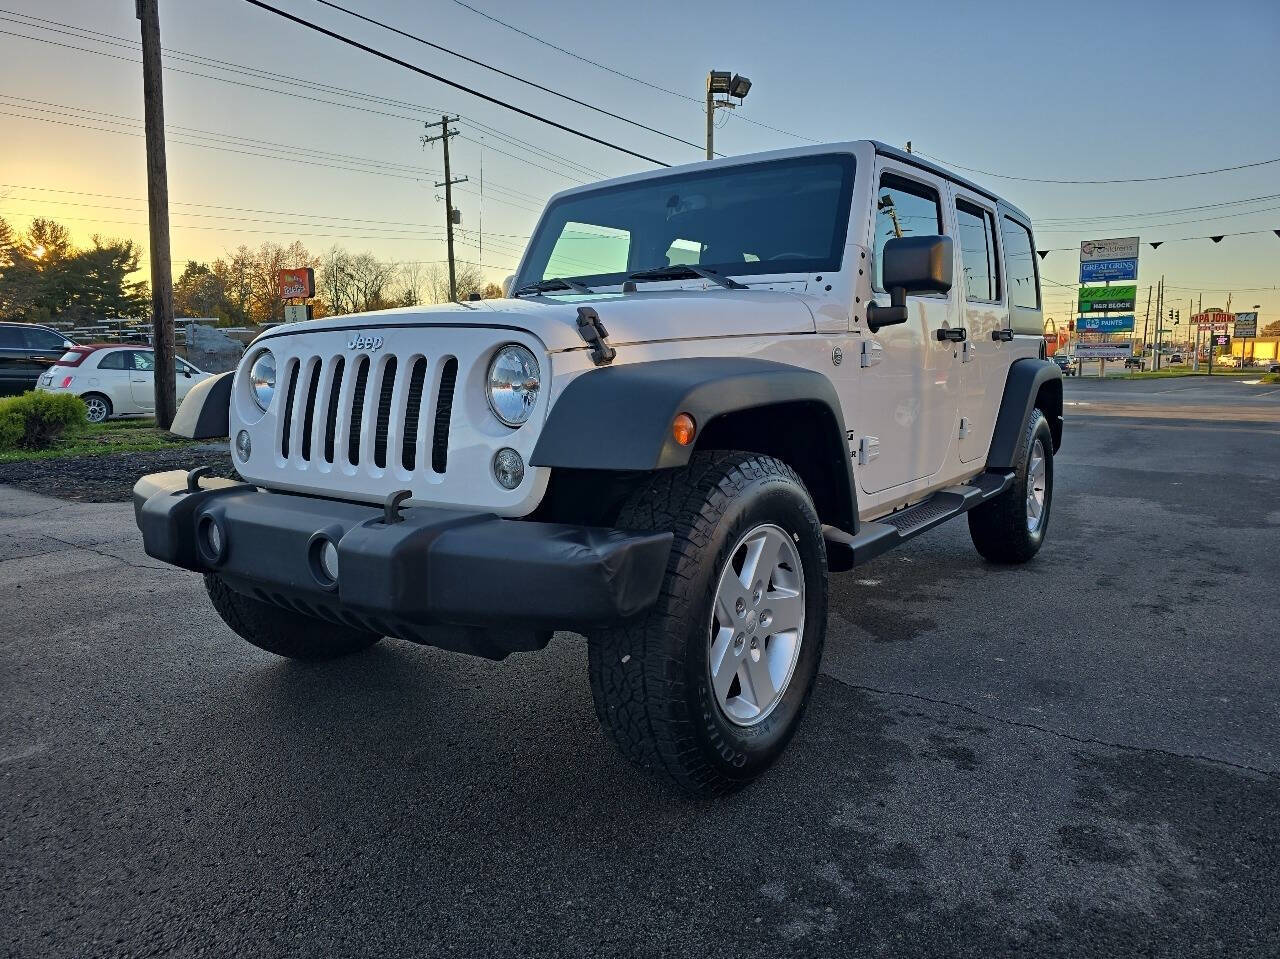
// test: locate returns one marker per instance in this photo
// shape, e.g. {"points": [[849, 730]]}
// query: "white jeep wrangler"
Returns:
{"points": [[708, 387]]}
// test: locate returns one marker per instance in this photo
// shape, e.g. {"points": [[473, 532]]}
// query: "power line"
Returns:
{"points": [[1152, 226], [1143, 179], [256, 73], [452, 83], [619, 73], [504, 73], [1182, 209]]}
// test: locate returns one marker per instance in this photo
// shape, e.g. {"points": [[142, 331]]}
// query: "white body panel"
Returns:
{"points": [[909, 402]]}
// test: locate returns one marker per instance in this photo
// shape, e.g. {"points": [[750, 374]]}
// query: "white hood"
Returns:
{"points": [[629, 317]]}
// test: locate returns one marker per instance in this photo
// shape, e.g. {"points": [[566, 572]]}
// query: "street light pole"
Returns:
{"points": [[730, 84]]}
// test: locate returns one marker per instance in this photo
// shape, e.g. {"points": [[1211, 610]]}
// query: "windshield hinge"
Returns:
{"points": [[594, 334]]}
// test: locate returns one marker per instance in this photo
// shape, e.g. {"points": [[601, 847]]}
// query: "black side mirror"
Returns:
{"points": [[911, 264]]}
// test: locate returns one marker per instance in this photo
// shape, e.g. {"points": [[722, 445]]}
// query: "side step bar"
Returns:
{"points": [[845, 551]]}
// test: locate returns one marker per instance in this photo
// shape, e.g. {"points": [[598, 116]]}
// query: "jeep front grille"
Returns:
{"points": [[349, 420]]}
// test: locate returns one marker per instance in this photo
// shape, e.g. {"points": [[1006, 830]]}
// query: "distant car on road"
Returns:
{"points": [[1065, 363], [1176, 358], [1273, 367], [1133, 362], [114, 380], [26, 351]]}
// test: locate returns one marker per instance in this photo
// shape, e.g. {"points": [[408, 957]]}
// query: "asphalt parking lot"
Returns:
{"points": [[1076, 757]]}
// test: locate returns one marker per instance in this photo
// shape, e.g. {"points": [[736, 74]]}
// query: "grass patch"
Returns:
{"points": [[101, 439]]}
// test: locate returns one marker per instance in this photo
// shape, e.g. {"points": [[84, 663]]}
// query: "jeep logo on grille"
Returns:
{"points": [[364, 341]]}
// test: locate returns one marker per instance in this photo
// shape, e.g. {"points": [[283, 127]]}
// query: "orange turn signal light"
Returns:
{"points": [[683, 428]]}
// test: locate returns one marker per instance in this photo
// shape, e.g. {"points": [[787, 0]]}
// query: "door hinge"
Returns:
{"points": [[955, 334], [1002, 336], [872, 353], [868, 449]]}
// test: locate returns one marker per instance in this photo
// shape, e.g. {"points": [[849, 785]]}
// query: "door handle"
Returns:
{"points": [[955, 334]]}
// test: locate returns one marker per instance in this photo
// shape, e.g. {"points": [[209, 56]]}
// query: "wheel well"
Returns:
{"points": [[1049, 402], [805, 435]]}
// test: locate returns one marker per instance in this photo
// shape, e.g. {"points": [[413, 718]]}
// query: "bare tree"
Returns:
{"points": [[436, 281]]}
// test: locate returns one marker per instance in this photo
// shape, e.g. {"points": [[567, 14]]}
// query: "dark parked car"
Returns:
{"points": [[26, 351], [1273, 367], [1065, 363], [1133, 362]]}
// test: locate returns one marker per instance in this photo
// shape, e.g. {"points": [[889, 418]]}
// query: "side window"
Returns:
{"points": [[978, 252], [115, 361], [183, 368], [903, 208], [39, 339], [143, 361], [10, 338], [1020, 264], [584, 249]]}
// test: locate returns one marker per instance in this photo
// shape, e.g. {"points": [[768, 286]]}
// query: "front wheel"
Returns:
{"points": [[1011, 528], [708, 686]]}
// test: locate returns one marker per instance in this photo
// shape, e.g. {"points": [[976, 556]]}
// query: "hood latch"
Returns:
{"points": [[594, 334]]}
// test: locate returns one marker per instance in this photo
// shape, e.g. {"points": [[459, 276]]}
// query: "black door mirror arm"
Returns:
{"points": [[896, 312]]}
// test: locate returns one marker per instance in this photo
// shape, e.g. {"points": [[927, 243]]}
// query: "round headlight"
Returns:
{"points": [[262, 379], [512, 384]]}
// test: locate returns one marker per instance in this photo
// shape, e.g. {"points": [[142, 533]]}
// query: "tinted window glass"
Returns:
{"points": [[115, 361], [978, 252], [144, 361], [10, 338], [904, 208], [781, 216], [39, 339], [1020, 264]]}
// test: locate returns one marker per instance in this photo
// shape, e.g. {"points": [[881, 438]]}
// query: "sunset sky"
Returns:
{"points": [[1069, 91]]}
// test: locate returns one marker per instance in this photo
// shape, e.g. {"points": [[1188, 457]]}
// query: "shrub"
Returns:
{"points": [[34, 420]]}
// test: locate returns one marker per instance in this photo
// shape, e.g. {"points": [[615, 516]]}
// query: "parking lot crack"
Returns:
{"points": [[102, 552], [1057, 733]]}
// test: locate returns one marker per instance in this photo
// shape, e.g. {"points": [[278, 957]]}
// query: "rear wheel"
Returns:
{"points": [[286, 634], [708, 686], [97, 407], [1011, 528]]}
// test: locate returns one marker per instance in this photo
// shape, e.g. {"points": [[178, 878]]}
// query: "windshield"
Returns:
{"points": [[779, 216]]}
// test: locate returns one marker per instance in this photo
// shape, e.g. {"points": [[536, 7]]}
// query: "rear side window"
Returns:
{"points": [[143, 361], [977, 235], [115, 361], [904, 208], [41, 339], [10, 338], [1020, 264]]}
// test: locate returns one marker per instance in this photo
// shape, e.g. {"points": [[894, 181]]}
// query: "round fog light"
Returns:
{"points": [[508, 468], [329, 559], [244, 446], [213, 536]]}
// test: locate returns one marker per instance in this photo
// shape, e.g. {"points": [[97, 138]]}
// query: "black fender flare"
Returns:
{"points": [[619, 417], [205, 412], [1026, 378]]}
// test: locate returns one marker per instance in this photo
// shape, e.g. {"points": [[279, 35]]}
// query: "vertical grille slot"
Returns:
{"points": [[331, 415], [444, 410], [383, 421], [288, 409], [412, 411], [357, 411], [308, 419]]}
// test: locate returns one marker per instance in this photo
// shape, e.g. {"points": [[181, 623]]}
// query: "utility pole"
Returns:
{"points": [[1155, 354], [158, 215], [450, 214], [729, 84], [1145, 320]]}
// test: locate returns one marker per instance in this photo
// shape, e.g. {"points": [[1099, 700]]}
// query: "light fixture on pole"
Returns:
{"points": [[728, 85]]}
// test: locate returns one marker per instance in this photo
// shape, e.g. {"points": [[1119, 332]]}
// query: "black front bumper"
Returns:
{"points": [[459, 580]]}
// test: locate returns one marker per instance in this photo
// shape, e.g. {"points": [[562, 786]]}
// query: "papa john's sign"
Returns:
{"points": [[296, 284]]}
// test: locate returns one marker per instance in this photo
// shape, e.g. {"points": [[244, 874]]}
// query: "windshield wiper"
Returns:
{"points": [[686, 271], [554, 283]]}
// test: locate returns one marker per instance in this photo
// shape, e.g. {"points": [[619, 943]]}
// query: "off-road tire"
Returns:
{"points": [[278, 631], [649, 676], [999, 528]]}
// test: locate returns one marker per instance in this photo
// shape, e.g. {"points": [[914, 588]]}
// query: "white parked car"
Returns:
{"points": [[709, 387], [114, 380]]}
